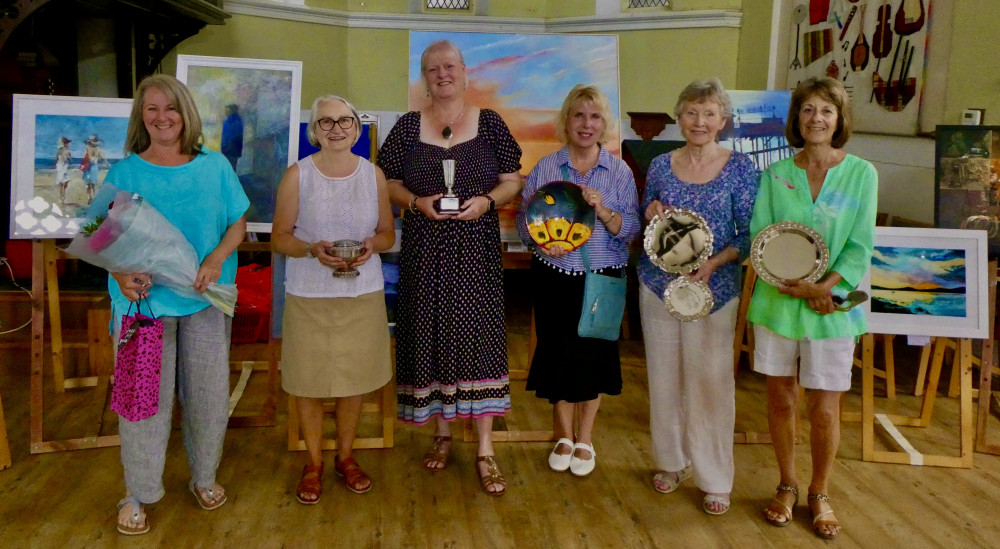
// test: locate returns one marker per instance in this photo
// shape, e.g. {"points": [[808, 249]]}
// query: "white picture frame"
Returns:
{"points": [[928, 282], [268, 95], [49, 193]]}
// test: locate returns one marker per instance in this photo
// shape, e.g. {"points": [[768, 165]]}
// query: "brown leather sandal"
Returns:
{"points": [[310, 485], [491, 477], [354, 478], [438, 453]]}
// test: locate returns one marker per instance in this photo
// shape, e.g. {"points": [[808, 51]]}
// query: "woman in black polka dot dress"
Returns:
{"points": [[451, 348]]}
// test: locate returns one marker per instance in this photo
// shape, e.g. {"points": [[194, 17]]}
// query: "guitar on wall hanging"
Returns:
{"points": [[845, 40]]}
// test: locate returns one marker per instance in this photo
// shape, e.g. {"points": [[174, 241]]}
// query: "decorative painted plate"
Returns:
{"points": [[557, 215], [688, 301], [788, 250], [679, 241]]}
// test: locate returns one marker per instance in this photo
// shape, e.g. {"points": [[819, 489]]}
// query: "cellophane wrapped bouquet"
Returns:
{"points": [[133, 237]]}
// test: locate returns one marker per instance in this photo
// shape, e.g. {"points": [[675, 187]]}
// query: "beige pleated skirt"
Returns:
{"points": [[335, 347]]}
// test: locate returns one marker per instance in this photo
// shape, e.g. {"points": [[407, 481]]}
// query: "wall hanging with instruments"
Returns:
{"points": [[876, 47]]}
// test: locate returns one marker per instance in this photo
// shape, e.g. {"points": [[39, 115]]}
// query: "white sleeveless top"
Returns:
{"points": [[331, 209]]}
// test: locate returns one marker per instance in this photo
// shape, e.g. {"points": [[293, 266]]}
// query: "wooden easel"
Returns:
{"points": [[43, 266], [987, 368], [908, 454]]}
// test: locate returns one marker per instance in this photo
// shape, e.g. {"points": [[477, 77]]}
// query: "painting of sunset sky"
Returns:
{"points": [[918, 281]]}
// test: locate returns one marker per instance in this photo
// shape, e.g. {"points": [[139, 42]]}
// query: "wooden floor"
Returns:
{"points": [[67, 499]]}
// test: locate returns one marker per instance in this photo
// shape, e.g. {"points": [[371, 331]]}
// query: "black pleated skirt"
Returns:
{"points": [[566, 366]]}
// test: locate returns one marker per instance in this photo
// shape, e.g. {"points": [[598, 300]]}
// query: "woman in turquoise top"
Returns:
{"points": [[835, 193], [196, 190]]}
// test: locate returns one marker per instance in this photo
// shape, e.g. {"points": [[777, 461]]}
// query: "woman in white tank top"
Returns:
{"points": [[334, 329]]}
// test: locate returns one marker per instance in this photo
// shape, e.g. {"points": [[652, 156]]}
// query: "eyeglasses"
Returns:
{"points": [[345, 123]]}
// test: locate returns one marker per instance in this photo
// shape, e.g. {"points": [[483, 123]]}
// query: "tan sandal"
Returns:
{"points": [[438, 453], [665, 482], [207, 497], [778, 506], [492, 477], [818, 518], [135, 523]]}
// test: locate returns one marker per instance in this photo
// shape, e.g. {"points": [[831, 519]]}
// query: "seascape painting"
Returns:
{"points": [[918, 281], [64, 147], [929, 282], [249, 109]]}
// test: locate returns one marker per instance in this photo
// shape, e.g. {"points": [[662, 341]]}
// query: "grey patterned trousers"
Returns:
{"points": [[196, 364]]}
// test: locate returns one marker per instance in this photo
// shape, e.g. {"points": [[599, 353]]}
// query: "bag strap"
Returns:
{"points": [[138, 308]]}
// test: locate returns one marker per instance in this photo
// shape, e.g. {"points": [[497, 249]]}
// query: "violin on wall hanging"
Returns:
{"points": [[859, 54], [882, 39]]}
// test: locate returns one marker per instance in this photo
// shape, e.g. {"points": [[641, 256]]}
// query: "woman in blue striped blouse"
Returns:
{"points": [[570, 371]]}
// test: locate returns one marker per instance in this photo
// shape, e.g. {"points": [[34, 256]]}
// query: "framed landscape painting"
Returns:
{"points": [[250, 113], [62, 148], [930, 282], [967, 180]]}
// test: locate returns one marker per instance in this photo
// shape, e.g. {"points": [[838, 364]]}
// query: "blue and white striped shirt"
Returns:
{"points": [[613, 179]]}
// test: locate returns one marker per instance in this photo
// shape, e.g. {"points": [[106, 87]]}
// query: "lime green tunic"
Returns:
{"points": [[844, 214]]}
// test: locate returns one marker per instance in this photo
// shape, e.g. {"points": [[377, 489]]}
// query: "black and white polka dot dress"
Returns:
{"points": [[451, 345]]}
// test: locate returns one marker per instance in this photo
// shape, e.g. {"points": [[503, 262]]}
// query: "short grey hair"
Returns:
{"points": [[709, 89], [311, 129]]}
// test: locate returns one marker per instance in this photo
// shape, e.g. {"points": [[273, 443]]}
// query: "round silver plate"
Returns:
{"points": [[679, 241], [688, 301], [789, 250]]}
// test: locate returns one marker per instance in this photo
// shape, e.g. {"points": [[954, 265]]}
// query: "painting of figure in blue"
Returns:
{"points": [[72, 156], [247, 114], [919, 281]]}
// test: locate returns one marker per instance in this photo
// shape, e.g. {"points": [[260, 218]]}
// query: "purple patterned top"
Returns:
{"points": [[725, 202]]}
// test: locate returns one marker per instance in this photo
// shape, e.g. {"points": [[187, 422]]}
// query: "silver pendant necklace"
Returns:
{"points": [[446, 132]]}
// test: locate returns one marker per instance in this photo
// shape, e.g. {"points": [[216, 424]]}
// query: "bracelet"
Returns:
{"points": [[612, 218], [413, 204]]}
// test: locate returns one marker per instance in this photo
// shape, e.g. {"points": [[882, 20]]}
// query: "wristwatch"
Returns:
{"points": [[309, 250], [493, 204]]}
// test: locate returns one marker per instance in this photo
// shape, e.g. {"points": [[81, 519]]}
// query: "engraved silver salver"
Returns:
{"points": [[688, 301], [789, 250], [679, 241]]}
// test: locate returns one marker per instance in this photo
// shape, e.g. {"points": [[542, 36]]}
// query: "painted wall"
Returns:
{"points": [[754, 45], [973, 78]]}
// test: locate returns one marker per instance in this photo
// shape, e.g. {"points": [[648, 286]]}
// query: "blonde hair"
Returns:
{"points": [[438, 45], [137, 139], [311, 129], [586, 94], [828, 89]]}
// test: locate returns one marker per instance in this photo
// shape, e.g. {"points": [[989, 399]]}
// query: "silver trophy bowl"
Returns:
{"points": [[349, 250]]}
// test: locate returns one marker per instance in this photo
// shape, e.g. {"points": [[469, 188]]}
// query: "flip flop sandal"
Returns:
{"points": [[208, 501], [818, 521], [786, 511], [712, 498], [137, 515], [354, 478], [437, 454], [669, 483], [311, 484], [492, 477]]}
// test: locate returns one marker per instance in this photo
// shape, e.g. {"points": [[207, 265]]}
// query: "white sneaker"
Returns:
{"points": [[582, 467], [560, 462]]}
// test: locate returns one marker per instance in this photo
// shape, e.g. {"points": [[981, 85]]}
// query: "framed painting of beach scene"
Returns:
{"points": [[62, 148], [250, 113], [525, 78], [930, 282]]}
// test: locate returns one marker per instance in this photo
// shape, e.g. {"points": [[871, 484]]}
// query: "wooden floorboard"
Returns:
{"points": [[68, 498]]}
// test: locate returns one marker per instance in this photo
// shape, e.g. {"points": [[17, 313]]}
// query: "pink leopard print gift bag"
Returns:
{"points": [[136, 391]]}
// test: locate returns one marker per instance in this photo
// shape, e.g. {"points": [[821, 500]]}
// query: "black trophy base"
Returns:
{"points": [[448, 205]]}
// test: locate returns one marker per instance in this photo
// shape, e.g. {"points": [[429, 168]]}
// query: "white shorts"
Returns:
{"points": [[825, 363]]}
